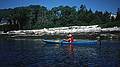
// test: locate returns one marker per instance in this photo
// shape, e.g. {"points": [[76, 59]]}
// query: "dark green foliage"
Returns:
{"points": [[37, 17]]}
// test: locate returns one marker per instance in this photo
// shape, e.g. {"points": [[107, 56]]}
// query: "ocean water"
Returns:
{"points": [[34, 53]]}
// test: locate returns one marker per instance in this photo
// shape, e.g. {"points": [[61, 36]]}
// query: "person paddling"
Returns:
{"points": [[70, 38]]}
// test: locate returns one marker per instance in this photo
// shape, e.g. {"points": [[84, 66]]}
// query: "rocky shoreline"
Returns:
{"points": [[93, 31]]}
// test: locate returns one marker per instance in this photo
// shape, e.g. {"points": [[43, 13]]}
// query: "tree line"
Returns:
{"points": [[37, 17]]}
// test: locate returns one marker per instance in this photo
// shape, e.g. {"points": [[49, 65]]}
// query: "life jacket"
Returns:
{"points": [[71, 39]]}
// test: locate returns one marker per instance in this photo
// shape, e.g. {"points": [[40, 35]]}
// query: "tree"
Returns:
{"points": [[118, 15], [37, 16]]}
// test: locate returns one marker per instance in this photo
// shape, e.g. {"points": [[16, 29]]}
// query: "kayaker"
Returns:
{"points": [[70, 38]]}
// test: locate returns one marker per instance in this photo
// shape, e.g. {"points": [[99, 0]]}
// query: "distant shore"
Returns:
{"points": [[64, 36], [93, 31]]}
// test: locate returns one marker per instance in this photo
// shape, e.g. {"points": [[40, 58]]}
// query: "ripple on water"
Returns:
{"points": [[33, 53]]}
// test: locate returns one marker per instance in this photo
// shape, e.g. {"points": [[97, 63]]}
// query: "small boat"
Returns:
{"points": [[62, 42]]}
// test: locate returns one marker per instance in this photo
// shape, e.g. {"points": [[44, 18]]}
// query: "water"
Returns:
{"points": [[33, 53]]}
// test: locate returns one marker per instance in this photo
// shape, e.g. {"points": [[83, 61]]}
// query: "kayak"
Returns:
{"points": [[62, 42]]}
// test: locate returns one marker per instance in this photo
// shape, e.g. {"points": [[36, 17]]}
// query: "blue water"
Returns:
{"points": [[34, 53]]}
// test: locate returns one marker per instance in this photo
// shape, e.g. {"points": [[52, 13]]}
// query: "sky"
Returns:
{"points": [[100, 5]]}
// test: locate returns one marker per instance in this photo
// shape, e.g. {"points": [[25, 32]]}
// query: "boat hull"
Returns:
{"points": [[85, 42]]}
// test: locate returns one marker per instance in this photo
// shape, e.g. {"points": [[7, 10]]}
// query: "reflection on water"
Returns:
{"points": [[33, 53]]}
